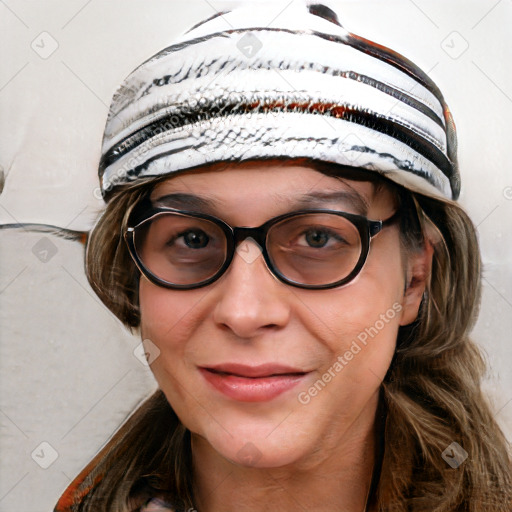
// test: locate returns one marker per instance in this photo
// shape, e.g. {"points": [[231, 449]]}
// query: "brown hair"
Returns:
{"points": [[431, 394]]}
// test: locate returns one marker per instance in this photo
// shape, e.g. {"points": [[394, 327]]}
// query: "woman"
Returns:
{"points": [[281, 227]]}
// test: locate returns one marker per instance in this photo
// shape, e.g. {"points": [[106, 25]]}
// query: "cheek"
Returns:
{"points": [[161, 308], [364, 334], [379, 300], [169, 318], [373, 343], [360, 321]]}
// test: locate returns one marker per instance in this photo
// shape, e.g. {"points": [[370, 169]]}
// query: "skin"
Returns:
{"points": [[281, 454]]}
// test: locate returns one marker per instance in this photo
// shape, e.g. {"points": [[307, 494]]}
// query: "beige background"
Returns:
{"points": [[68, 372]]}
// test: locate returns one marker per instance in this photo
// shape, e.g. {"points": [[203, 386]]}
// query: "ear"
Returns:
{"points": [[418, 269]]}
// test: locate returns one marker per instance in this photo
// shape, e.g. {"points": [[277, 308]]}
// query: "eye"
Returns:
{"points": [[316, 238], [195, 239]]}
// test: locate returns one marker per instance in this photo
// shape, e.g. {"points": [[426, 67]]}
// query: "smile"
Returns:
{"points": [[252, 383]]}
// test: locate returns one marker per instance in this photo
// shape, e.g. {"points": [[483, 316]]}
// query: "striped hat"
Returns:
{"points": [[303, 87]]}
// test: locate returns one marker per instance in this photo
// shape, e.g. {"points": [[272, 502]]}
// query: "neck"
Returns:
{"points": [[338, 479]]}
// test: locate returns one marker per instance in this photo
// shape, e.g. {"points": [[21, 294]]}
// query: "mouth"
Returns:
{"points": [[252, 383], [255, 372]]}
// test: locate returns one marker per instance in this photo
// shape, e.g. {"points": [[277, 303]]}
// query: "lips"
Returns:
{"points": [[252, 383], [263, 370]]}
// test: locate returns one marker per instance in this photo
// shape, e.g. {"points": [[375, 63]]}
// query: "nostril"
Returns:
{"points": [[324, 12]]}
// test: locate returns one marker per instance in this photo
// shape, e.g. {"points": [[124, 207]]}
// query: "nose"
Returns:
{"points": [[251, 300]]}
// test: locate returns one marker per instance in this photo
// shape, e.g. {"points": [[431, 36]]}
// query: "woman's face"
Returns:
{"points": [[264, 373]]}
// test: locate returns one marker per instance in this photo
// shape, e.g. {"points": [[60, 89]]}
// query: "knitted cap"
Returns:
{"points": [[303, 87]]}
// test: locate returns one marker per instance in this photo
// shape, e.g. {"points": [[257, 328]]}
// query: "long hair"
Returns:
{"points": [[431, 395]]}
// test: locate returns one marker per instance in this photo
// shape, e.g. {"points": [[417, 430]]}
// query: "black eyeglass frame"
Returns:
{"points": [[145, 212]]}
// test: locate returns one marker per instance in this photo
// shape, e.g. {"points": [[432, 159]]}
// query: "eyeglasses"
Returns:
{"points": [[314, 249]]}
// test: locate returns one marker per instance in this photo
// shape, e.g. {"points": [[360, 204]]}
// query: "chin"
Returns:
{"points": [[258, 453], [258, 443]]}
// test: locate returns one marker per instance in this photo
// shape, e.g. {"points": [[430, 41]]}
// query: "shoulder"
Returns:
{"points": [[77, 490], [83, 485]]}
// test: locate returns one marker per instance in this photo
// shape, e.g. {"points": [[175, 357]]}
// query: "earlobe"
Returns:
{"points": [[419, 266]]}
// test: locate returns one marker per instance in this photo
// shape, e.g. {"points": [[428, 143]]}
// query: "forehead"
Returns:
{"points": [[267, 186]]}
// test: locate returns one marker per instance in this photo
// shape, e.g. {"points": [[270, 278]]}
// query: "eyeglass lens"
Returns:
{"points": [[310, 249]]}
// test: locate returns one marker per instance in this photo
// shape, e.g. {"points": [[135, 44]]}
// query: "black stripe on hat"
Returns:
{"points": [[310, 66], [349, 113], [356, 42]]}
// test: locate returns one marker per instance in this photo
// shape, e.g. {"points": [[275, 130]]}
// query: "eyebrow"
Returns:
{"points": [[341, 198], [182, 201]]}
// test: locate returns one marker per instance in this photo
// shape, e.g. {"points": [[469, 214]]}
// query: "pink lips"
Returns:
{"points": [[252, 383]]}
